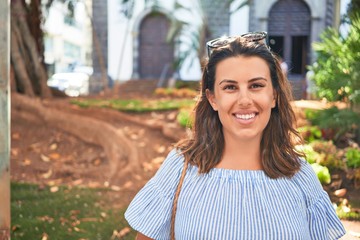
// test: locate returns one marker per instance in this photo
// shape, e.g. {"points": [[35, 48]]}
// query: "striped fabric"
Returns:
{"points": [[234, 204]]}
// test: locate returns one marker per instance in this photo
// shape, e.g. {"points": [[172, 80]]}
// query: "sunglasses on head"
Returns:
{"points": [[222, 41]]}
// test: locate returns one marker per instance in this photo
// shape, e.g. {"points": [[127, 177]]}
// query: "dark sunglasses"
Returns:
{"points": [[222, 41]]}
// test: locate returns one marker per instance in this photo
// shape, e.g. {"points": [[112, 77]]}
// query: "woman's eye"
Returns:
{"points": [[256, 85], [230, 87]]}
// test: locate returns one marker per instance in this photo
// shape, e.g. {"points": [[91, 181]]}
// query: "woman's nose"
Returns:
{"points": [[244, 99]]}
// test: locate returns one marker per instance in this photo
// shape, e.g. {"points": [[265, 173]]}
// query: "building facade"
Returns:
{"points": [[292, 26], [135, 46]]}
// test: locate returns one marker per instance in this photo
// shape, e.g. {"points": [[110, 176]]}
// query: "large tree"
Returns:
{"points": [[27, 62]]}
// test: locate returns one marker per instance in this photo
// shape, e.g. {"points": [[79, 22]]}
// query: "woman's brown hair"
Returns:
{"points": [[204, 148]]}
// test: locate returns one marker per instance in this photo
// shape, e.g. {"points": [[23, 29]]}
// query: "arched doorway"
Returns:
{"points": [[289, 34], [155, 54]]}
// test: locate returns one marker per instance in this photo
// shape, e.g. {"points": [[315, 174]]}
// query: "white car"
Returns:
{"points": [[74, 84]]}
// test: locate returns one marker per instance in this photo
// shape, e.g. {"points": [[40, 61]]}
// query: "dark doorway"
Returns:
{"points": [[299, 54], [289, 31], [156, 55], [277, 45]]}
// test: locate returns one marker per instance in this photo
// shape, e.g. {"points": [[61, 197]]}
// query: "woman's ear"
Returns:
{"points": [[211, 98], [274, 101]]}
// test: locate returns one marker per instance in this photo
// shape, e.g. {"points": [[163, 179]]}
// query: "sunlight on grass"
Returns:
{"points": [[136, 105], [69, 213]]}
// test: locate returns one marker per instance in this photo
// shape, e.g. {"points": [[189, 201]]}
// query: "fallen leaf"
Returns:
{"points": [[161, 149], [97, 162], [63, 221], [94, 185], [35, 147], [53, 146], [47, 174], [128, 184], [46, 219], [54, 155], [89, 220], [14, 152], [16, 135], [15, 227], [147, 166], [125, 231], [44, 158], [103, 214], [115, 188], [45, 236], [74, 212], [54, 189], [157, 160], [340, 192], [134, 136], [138, 177], [77, 182], [26, 162]]}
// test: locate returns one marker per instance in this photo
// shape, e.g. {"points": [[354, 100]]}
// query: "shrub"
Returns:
{"points": [[322, 173], [311, 155], [184, 117], [353, 158], [331, 157], [337, 69], [335, 123], [310, 133]]}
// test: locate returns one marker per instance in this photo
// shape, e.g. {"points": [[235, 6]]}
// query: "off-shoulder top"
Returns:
{"points": [[233, 204]]}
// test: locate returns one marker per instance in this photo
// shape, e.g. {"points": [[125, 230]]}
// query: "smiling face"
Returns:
{"points": [[243, 97]]}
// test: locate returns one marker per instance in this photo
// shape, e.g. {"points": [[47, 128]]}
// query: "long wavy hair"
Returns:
{"points": [[204, 148]]}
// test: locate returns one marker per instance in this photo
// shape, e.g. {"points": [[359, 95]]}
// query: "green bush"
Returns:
{"points": [[322, 173], [310, 133], [311, 155], [353, 158], [331, 157], [334, 122], [184, 117], [337, 69]]}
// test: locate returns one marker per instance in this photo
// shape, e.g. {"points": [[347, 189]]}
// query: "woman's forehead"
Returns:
{"points": [[242, 67]]}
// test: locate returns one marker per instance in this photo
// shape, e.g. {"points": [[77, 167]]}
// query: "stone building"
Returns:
{"points": [[292, 26], [152, 54]]}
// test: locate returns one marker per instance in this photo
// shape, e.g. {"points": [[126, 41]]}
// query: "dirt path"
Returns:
{"points": [[48, 156]]}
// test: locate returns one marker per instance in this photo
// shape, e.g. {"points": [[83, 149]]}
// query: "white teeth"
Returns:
{"points": [[245, 116]]}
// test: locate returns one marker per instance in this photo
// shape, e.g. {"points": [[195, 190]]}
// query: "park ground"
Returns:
{"points": [[48, 156]]}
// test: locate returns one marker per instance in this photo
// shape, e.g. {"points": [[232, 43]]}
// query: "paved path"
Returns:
{"points": [[352, 229]]}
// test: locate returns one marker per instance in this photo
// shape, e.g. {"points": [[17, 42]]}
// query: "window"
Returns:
{"points": [[71, 50]]}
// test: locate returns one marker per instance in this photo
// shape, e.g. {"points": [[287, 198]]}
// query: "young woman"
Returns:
{"points": [[238, 176]]}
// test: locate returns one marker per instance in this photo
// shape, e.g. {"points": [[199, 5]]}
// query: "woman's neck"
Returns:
{"points": [[241, 155]]}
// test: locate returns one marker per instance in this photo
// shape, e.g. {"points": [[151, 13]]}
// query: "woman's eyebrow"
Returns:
{"points": [[257, 78], [235, 82], [228, 81]]}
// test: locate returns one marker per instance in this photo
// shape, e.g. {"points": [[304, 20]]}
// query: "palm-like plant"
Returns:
{"points": [[190, 29]]}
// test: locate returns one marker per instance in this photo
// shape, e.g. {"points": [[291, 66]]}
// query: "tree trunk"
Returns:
{"points": [[27, 53], [31, 46], [18, 65]]}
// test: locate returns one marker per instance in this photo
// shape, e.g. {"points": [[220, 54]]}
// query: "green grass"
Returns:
{"points": [[69, 213], [136, 105]]}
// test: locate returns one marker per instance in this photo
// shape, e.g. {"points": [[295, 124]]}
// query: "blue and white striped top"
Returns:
{"points": [[233, 204]]}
